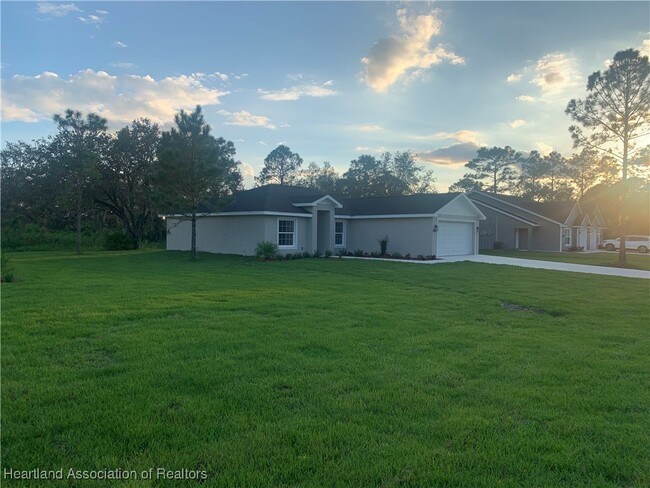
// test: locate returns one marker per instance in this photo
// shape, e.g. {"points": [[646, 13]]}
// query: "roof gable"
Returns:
{"points": [[557, 212]]}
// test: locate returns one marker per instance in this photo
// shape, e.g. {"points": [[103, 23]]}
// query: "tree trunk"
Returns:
{"points": [[622, 251], [193, 236], [79, 200]]}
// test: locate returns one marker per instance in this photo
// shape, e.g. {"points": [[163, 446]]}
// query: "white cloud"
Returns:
{"points": [[295, 77], [122, 65], [119, 98], [262, 143], [544, 149], [92, 19], [118, 44], [362, 148], [463, 135], [513, 77], [247, 119], [645, 47], [239, 76], [526, 99], [296, 92], [454, 155], [368, 128], [406, 54], [247, 169], [517, 123], [56, 9], [556, 72], [221, 76]]}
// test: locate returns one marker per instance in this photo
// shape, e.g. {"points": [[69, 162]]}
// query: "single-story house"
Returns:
{"points": [[520, 223], [300, 220]]}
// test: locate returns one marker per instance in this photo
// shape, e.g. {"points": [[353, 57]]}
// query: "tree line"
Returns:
{"points": [[85, 175]]}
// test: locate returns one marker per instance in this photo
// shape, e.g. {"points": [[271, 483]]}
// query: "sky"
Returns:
{"points": [[332, 80]]}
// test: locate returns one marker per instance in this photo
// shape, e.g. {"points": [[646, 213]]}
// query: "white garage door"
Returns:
{"points": [[455, 238]]}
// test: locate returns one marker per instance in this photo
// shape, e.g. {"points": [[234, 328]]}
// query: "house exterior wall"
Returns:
{"points": [[234, 234], [405, 235], [502, 228]]}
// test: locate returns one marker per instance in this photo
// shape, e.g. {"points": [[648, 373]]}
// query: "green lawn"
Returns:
{"points": [[324, 373], [634, 260]]}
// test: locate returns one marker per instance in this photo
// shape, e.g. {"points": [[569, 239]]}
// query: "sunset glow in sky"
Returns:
{"points": [[330, 80]]}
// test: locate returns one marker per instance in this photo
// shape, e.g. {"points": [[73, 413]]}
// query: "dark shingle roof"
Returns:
{"points": [[280, 198], [272, 198], [410, 204], [557, 211]]}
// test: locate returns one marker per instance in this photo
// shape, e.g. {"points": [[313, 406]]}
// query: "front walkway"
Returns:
{"points": [[534, 263], [529, 263]]}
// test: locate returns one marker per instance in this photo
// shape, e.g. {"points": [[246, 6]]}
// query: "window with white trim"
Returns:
{"points": [[566, 236], [286, 233], [339, 234]]}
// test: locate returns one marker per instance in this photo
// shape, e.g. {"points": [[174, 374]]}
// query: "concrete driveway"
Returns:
{"points": [[553, 265]]}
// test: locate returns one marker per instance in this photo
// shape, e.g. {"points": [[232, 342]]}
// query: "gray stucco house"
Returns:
{"points": [[298, 220], [524, 224]]}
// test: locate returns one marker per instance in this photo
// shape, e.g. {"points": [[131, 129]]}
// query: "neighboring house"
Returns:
{"points": [[520, 223], [299, 220]]}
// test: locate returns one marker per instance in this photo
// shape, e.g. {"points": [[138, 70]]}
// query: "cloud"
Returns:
{"points": [[221, 76], [517, 123], [368, 128], [513, 77], [299, 91], [262, 143], [463, 135], [119, 98], [95, 20], [247, 169], [247, 119], [556, 72], [362, 148], [122, 65], [56, 9], [526, 99], [645, 47], [454, 155], [118, 44], [544, 149], [407, 54]]}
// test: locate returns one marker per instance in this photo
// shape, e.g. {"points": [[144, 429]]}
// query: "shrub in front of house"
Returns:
{"points": [[383, 245], [358, 253], [499, 246], [328, 254], [306, 254], [267, 251]]}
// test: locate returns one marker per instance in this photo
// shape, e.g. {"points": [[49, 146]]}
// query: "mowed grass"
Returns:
{"points": [[325, 372], [634, 260]]}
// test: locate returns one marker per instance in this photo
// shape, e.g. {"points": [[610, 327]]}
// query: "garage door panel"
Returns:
{"points": [[455, 238]]}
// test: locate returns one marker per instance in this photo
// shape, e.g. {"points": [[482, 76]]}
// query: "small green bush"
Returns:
{"points": [[341, 253], [383, 245], [317, 254], [396, 255], [306, 254], [358, 253], [499, 246], [267, 251], [328, 254], [118, 241]]}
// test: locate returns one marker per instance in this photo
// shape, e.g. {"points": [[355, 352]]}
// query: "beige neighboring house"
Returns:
{"points": [[300, 220], [520, 223]]}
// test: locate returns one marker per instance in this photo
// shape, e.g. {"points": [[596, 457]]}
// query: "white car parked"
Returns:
{"points": [[638, 243]]}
